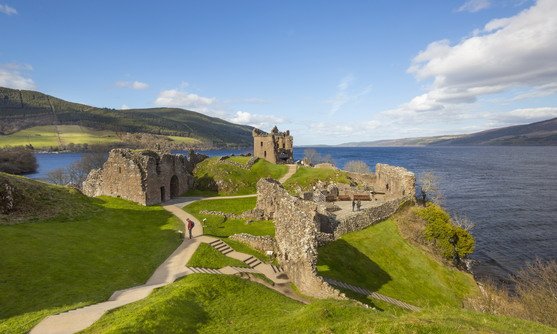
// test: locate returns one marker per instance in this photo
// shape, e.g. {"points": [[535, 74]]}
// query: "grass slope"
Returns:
{"points": [[203, 303], [378, 258], [307, 177], [207, 257], [227, 179], [218, 226], [22, 109], [63, 262]]}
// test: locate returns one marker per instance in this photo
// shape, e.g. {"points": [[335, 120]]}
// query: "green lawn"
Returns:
{"points": [[203, 303], [46, 136], [379, 259], [185, 140], [234, 180], [307, 177], [218, 226], [207, 257], [60, 263]]}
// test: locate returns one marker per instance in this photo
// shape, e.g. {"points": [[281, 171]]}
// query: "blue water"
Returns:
{"points": [[510, 193]]}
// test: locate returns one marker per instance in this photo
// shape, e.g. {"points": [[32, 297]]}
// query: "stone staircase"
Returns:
{"points": [[200, 270], [221, 246], [371, 294], [252, 261], [277, 269]]}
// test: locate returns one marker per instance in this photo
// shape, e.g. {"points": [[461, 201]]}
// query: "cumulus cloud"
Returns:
{"points": [[525, 115], [137, 85], [13, 76], [124, 107], [473, 6], [5, 9], [514, 52], [181, 99], [255, 120]]}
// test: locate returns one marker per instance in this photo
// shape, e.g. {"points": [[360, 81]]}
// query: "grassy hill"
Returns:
{"points": [[21, 109], [67, 250]]}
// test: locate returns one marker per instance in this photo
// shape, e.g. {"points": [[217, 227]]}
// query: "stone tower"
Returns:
{"points": [[276, 147]]}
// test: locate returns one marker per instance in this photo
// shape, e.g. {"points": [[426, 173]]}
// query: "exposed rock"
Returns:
{"points": [[9, 196], [261, 243]]}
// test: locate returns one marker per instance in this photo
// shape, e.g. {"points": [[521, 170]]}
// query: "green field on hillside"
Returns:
{"points": [[63, 260], [218, 226], [229, 179], [204, 303], [306, 177], [379, 259]]}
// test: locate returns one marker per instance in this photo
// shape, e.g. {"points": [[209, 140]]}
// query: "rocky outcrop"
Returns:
{"points": [[8, 196]]}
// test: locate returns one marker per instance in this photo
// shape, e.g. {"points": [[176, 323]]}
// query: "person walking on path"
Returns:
{"points": [[359, 205], [353, 204], [191, 224]]}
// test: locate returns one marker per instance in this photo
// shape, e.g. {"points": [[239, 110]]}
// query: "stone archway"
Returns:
{"points": [[174, 187]]}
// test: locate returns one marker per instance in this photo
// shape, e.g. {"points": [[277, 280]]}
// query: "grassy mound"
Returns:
{"points": [[37, 201], [307, 177], [207, 257], [219, 226], [204, 303], [70, 260], [380, 259], [226, 178]]}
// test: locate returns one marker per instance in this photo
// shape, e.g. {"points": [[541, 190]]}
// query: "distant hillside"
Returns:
{"points": [[542, 133], [22, 109]]}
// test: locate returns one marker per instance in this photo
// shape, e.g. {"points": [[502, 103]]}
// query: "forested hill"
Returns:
{"points": [[21, 109]]}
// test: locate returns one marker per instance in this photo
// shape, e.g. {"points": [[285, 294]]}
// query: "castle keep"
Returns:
{"points": [[276, 147], [142, 176]]}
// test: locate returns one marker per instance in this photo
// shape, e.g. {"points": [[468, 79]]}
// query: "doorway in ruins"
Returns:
{"points": [[174, 187], [163, 194]]}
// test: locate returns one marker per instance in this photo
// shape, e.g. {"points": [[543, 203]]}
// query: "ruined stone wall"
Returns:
{"points": [[275, 147], [262, 243], [394, 181], [369, 216], [144, 176], [296, 235]]}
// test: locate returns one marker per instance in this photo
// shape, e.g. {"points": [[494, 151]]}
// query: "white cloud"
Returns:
{"points": [[343, 95], [124, 107], [525, 115], [255, 120], [473, 6], [180, 99], [137, 85], [5, 9], [12, 76], [514, 52]]}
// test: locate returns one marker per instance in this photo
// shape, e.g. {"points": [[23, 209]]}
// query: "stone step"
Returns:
{"points": [[215, 242], [277, 269], [200, 270], [252, 261]]}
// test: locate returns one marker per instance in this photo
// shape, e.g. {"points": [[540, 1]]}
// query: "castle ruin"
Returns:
{"points": [[276, 147], [142, 176]]}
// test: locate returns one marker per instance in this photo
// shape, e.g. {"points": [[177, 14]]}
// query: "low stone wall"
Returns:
{"points": [[296, 235], [395, 181], [369, 216], [262, 243]]}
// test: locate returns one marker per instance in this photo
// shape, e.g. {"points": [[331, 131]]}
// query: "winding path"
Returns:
{"points": [[171, 269]]}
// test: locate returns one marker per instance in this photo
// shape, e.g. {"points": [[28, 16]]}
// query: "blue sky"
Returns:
{"points": [[330, 71]]}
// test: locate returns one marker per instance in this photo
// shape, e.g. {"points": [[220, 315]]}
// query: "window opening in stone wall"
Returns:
{"points": [[261, 144], [265, 154], [120, 170]]}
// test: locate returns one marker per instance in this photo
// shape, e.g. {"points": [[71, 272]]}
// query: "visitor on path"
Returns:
{"points": [[359, 205], [191, 224], [353, 204]]}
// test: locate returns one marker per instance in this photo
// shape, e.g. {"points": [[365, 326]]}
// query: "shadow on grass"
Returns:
{"points": [[342, 261]]}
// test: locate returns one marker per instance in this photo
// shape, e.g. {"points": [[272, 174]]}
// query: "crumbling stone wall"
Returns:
{"points": [[275, 147], [141, 176], [262, 243], [395, 181], [367, 217], [296, 235]]}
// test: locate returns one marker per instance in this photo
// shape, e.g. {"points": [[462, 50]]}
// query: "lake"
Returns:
{"points": [[510, 193]]}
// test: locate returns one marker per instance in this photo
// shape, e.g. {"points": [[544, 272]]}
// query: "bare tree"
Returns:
{"points": [[58, 176], [463, 222], [429, 187], [312, 157], [77, 172], [357, 166]]}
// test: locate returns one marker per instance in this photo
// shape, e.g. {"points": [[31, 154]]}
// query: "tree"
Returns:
{"points": [[357, 166], [312, 157], [429, 187], [58, 176]]}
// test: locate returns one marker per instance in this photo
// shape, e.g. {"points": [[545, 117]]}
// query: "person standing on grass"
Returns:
{"points": [[191, 224]]}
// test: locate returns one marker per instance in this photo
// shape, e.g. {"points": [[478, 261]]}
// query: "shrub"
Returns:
{"points": [[17, 160], [440, 229], [356, 166]]}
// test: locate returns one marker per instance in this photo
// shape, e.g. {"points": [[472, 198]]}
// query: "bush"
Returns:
{"points": [[17, 160], [312, 157], [440, 229], [356, 166]]}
